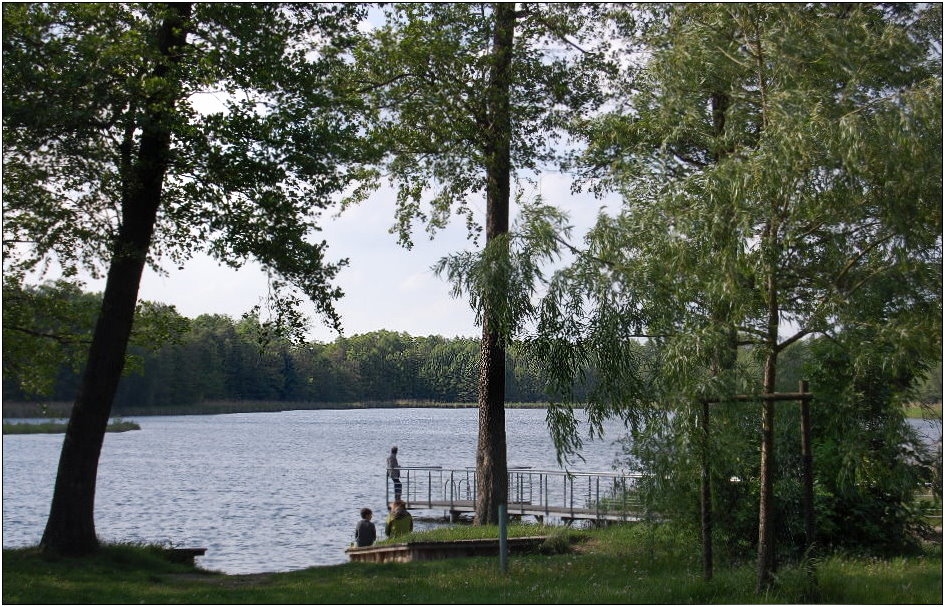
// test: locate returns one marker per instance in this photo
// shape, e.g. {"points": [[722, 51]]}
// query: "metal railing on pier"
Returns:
{"points": [[538, 493]]}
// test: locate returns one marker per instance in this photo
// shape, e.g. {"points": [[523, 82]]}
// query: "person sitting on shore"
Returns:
{"points": [[365, 533], [399, 521]]}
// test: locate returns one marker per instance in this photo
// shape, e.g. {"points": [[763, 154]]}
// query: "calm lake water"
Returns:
{"points": [[262, 491], [266, 491]]}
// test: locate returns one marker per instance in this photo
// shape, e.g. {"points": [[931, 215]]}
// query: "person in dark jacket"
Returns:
{"points": [[393, 471], [365, 533], [399, 521]]}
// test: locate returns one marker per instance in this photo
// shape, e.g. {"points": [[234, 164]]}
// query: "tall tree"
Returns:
{"points": [[108, 161], [780, 164], [472, 95]]}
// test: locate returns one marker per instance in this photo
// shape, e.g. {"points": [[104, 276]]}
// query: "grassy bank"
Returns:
{"points": [[919, 411], [620, 564], [60, 428]]}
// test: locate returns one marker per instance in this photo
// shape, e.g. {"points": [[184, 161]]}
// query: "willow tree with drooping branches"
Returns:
{"points": [[780, 167]]}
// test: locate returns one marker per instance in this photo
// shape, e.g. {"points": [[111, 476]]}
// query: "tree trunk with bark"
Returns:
{"points": [[70, 529], [491, 463]]}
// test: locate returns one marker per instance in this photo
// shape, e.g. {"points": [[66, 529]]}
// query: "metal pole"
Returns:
{"points": [[597, 484], [503, 541], [572, 498], [521, 492]]}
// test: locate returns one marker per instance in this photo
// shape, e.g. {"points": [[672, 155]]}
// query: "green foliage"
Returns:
{"points": [[780, 168], [930, 390], [869, 465], [263, 136], [180, 362], [756, 158], [47, 329], [557, 542], [428, 71]]}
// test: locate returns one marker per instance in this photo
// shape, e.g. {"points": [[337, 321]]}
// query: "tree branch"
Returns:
{"points": [[64, 340]]}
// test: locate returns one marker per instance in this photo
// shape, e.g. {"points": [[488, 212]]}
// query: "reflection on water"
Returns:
{"points": [[262, 491]]}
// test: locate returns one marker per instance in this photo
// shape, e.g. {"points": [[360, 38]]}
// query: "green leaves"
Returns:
{"points": [[246, 179], [47, 329], [777, 165], [427, 72]]}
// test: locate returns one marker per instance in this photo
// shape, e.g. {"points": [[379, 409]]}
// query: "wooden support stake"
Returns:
{"points": [[807, 469], [706, 497], [807, 484], [503, 541]]}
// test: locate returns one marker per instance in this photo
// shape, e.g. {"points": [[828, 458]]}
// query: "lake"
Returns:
{"points": [[262, 491], [267, 491]]}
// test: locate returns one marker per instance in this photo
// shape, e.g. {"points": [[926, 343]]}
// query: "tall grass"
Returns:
{"points": [[59, 428], [468, 532]]}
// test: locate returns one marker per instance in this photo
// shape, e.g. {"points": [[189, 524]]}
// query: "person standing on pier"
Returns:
{"points": [[393, 471]]}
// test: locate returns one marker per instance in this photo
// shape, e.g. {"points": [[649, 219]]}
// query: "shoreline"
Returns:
{"points": [[62, 409], [20, 428]]}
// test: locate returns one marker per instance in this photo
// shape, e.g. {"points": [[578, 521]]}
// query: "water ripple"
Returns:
{"points": [[262, 491]]}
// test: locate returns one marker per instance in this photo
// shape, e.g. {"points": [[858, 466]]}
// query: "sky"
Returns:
{"points": [[386, 286]]}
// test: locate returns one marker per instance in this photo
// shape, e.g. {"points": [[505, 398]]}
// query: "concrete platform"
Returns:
{"points": [[432, 551]]}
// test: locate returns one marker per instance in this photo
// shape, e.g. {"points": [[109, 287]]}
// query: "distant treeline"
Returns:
{"points": [[220, 359], [177, 362]]}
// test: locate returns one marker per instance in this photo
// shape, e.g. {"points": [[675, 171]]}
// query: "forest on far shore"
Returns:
{"points": [[178, 362]]}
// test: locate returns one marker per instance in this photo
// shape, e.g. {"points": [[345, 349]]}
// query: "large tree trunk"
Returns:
{"points": [[70, 529], [491, 465]]}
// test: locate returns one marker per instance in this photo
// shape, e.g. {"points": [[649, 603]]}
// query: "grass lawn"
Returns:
{"points": [[620, 564], [918, 411]]}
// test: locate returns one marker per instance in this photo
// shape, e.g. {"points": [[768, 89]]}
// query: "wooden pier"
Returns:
{"points": [[568, 496]]}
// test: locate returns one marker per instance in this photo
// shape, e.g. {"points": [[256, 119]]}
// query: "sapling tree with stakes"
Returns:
{"points": [[781, 172]]}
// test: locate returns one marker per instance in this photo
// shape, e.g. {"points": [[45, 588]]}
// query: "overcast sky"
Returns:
{"points": [[385, 285]]}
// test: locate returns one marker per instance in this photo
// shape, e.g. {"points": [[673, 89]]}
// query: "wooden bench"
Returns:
{"points": [[185, 555]]}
